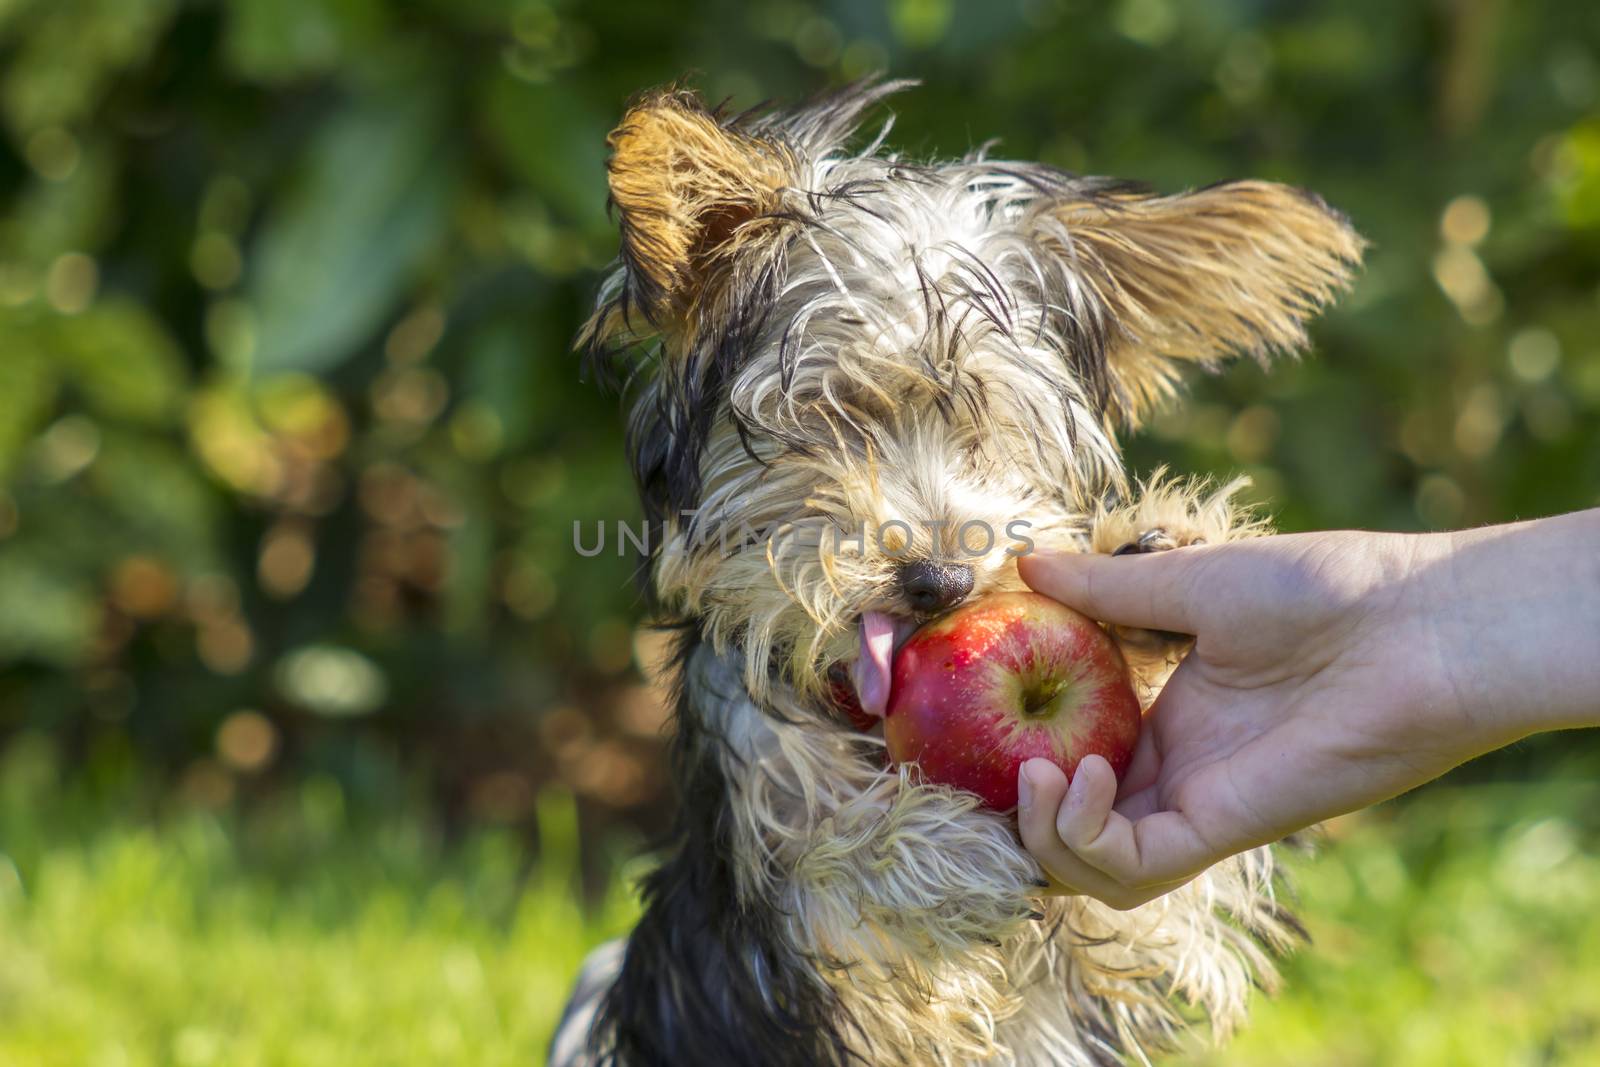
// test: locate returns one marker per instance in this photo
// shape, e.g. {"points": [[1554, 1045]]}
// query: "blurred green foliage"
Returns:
{"points": [[292, 443]]}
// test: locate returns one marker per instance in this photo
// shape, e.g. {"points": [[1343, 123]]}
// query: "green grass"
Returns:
{"points": [[1458, 928], [303, 936]]}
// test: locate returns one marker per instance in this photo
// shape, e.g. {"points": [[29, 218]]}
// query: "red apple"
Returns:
{"points": [[1003, 680]]}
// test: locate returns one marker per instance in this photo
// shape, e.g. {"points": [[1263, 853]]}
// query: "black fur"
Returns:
{"points": [[709, 979]]}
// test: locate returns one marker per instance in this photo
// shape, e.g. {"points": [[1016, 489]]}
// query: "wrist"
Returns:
{"points": [[1513, 613], [1437, 705]]}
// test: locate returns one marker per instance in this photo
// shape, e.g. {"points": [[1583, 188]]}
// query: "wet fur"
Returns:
{"points": [[817, 341]]}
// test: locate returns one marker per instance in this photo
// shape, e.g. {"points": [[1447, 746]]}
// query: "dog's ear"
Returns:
{"points": [[1233, 269], [689, 187]]}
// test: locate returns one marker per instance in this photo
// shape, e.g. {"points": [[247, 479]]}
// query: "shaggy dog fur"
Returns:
{"points": [[883, 352]]}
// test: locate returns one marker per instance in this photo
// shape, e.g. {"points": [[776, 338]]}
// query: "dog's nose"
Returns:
{"points": [[933, 587]]}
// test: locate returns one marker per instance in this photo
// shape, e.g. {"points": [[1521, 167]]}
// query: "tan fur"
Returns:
{"points": [[1190, 510], [1235, 269], [686, 185]]}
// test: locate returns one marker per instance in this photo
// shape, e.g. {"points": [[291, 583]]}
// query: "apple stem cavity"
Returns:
{"points": [[1039, 700]]}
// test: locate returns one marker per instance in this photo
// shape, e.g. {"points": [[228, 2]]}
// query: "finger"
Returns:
{"points": [[1159, 848], [1083, 814], [1070, 876], [1132, 590], [1092, 830], [1042, 790]]}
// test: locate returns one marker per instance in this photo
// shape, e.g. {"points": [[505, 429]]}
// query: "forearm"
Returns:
{"points": [[1515, 613]]}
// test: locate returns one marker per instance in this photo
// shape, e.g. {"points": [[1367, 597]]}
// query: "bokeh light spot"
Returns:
{"points": [[476, 431], [1479, 422], [53, 153], [230, 330], [921, 23], [332, 681], [71, 283], [414, 336], [246, 741], [818, 42], [67, 447], [611, 645], [415, 395], [1465, 220], [529, 591], [1150, 22], [1462, 276], [1533, 354], [143, 587], [288, 556]]}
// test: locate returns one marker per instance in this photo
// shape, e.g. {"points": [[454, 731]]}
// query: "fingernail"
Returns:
{"points": [[1024, 787]]}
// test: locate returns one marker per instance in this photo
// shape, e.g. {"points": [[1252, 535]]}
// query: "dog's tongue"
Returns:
{"points": [[872, 665]]}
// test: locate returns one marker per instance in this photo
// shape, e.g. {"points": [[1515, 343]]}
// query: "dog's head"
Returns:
{"points": [[864, 385]]}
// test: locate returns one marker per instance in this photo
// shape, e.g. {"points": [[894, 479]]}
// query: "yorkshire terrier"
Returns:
{"points": [[882, 352]]}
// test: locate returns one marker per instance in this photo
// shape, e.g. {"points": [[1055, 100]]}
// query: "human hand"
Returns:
{"points": [[1330, 671]]}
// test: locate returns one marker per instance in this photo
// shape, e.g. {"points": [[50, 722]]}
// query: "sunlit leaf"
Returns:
{"points": [[122, 360], [1580, 189]]}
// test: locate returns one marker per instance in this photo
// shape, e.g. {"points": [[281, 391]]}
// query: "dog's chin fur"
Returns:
{"points": [[830, 342]]}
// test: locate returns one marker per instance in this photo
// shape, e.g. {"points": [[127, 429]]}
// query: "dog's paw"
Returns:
{"points": [[1158, 539], [1167, 514], [1165, 643], [1172, 513]]}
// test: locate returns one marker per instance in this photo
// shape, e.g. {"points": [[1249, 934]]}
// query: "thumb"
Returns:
{"points": [[1148, 591]]}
